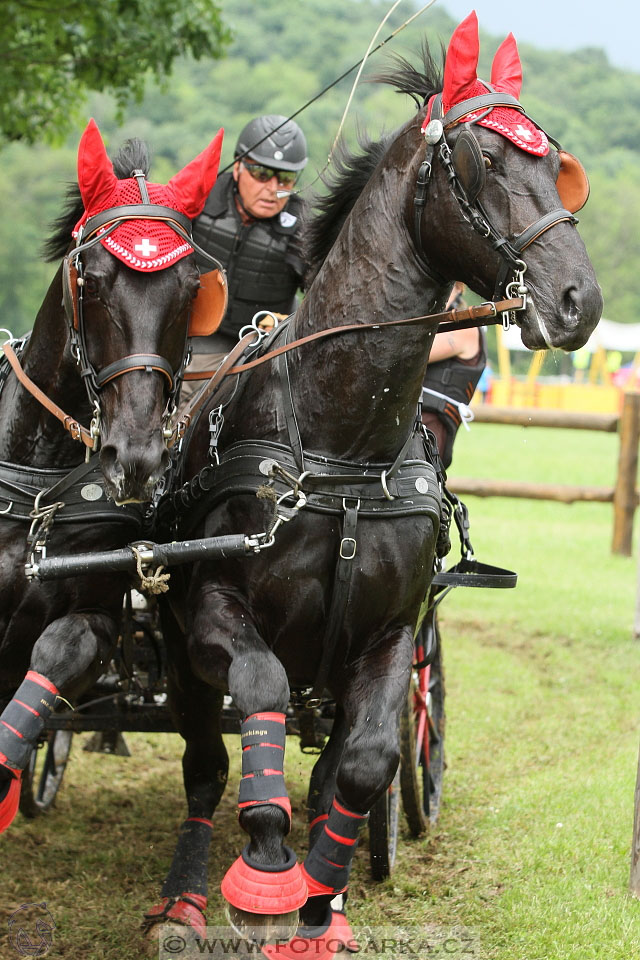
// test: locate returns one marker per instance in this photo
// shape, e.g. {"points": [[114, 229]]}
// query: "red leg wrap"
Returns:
{"points": [[322, 947], [317, 889], [249, 888], [10, 801], [187, 909]]}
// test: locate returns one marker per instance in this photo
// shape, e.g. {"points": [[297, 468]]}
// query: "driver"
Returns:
{"points": [[251, 223]]}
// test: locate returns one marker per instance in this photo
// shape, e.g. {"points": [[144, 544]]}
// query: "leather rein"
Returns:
{"points": [[447, 320]]}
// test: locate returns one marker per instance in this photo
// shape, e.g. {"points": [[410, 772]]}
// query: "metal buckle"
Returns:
{"points": [[343, 542]]}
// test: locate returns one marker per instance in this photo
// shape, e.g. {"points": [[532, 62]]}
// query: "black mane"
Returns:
{"points": [[132, 155], [352, 171]]}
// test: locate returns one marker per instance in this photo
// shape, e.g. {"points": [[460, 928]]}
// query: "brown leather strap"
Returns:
{"points": [[216, 378], [77, 431], [482, 311]]}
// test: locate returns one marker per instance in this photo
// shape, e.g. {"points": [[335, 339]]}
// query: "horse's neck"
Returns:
{"points": [[30, 434], [357, 393]]}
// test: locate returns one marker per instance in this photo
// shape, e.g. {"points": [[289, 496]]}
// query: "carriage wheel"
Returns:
{"points": [[422, 735], [43, 775], [383, 830]]}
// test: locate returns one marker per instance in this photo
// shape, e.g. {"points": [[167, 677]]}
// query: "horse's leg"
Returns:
{"points": [[67, 657], [264, 887], [196, 710], [325, 910], [373, 698]]}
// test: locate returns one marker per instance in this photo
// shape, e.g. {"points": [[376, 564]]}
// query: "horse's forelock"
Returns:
{"points": [[133, 155]]}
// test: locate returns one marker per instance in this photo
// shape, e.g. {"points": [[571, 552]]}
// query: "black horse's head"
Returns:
{"points": [[499, 203], [131, 282]]}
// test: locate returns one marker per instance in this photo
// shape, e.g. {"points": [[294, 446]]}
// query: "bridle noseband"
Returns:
{"points": [[510, 277]]}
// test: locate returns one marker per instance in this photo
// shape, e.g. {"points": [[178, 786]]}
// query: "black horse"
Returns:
{"points": [[108, 346], [324, 436]]}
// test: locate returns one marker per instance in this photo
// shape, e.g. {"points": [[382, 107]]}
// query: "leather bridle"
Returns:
{"points": [[510, 277], [94, 230]]}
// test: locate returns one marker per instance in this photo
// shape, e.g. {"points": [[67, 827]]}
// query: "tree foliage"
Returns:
{"points": [[52, 53], [283, 53]]}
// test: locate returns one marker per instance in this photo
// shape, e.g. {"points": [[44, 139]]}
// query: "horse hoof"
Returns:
{"points": [[263, 929], [9, 800]]}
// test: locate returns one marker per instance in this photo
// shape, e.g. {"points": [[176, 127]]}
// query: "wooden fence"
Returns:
{"points": [[624, 495]]}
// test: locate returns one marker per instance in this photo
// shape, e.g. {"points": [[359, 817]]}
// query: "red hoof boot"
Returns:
{"points": [[264, 890], [187, 909], [319, 944], [9, 800], [341, 930]]}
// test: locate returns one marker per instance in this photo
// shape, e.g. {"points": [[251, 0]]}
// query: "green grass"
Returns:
{"points": [[531, 852]]}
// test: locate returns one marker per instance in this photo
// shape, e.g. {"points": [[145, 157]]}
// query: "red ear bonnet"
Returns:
{"points": [[144, 244], [194, 182], [461, 83]]}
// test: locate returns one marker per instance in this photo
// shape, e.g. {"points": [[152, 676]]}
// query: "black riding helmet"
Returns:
{"points": [[273, 141]]}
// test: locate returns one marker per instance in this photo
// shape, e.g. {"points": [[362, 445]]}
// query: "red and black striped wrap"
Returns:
{"points": [[23, 719], [329, 860]]}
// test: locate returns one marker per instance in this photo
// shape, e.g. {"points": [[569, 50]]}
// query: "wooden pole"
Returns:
{"points": [[634, 880], [561, 493], [625, 498], [540, 417]]}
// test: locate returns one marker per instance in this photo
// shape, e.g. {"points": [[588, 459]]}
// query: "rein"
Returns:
{"points": [[448, 320], [75, 429]]}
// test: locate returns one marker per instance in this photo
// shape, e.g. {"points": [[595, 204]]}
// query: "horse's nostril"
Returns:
{"points": [[111, 466], [572, 307]]}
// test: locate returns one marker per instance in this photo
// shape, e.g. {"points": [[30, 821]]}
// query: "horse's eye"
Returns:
{"points": [[487, 160], [90, 286]]}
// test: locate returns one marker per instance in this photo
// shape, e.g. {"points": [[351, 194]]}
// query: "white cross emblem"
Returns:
{"points": [[145, 248], [523, 133]]}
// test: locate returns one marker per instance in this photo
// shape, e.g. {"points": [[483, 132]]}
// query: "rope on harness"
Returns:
{"points": [[155, 583]]}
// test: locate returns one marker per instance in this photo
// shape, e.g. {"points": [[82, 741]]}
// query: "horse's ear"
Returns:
{"points": [[193, 184], [461, 64], [96, 178], [506, 69]]}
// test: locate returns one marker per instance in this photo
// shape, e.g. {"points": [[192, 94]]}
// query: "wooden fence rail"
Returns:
{"points": [[624, 495]]}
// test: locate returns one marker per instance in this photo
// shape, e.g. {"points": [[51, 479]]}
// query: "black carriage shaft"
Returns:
{"points": [[151, 554]]}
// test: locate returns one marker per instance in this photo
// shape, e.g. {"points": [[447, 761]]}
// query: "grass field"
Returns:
{"points": [[531, 853]]}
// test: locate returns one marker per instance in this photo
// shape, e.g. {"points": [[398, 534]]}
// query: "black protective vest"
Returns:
{"points": [[456, 380], [262, 259]]}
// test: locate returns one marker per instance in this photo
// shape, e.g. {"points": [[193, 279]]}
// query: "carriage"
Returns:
{"points": [[308, 442]]}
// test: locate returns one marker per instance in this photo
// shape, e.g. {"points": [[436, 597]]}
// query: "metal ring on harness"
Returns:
{"points": [[383, 483]]}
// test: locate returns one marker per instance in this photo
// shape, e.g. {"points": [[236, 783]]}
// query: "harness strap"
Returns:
{"points": [[295, 440], [75, 429], [139, 361], [339, 600], [209, 388]]}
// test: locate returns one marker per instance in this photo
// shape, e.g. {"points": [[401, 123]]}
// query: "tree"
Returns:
{"points": [[52, 53]]}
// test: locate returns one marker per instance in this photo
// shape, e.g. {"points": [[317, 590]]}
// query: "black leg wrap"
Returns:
{"points": [[189, 866], [263, 738], [23, 719], [329, 860]]}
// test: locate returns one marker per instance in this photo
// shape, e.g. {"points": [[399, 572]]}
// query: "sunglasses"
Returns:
{"points": [[286, 178]]}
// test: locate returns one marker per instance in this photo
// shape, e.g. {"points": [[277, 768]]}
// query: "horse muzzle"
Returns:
{"points": [[131, 470]]}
